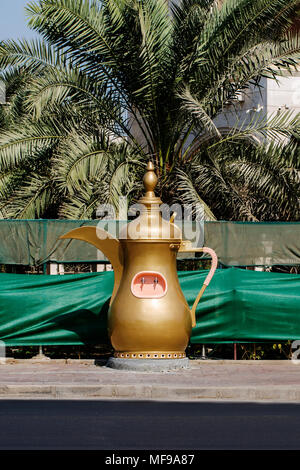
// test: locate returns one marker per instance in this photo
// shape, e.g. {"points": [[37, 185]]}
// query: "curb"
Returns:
{"points": [[88, 362], [32, 361], [151, 392]]}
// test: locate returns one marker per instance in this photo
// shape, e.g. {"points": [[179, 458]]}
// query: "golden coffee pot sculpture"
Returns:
{"points": [[148, 317]]}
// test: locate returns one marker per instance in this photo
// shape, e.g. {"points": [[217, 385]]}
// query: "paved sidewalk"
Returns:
{"points": [[204, 380]]}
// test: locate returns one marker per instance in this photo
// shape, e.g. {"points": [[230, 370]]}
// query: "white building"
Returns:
{"points": [[273, 97]]}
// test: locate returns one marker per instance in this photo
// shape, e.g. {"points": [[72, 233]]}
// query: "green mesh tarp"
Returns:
{"points": [[238, 306], [35, 242]]}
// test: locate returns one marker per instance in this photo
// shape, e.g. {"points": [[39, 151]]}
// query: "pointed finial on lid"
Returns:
{"points": [[150, 180]]}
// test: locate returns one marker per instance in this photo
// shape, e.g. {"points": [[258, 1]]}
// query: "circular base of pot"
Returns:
{"points": [[148, 365]]}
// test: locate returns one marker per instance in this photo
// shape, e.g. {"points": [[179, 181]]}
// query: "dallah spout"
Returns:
{"points": [[105, 242]]}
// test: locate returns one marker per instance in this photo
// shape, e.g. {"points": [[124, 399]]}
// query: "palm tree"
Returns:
{"points": [[115, 82], [247, 182]]}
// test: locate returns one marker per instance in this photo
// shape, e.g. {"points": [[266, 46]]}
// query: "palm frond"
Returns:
{"points": [[33, 55], [190, 196], [17, 145], [276, 126], [31, 200], [203, 121], [79, 160]]}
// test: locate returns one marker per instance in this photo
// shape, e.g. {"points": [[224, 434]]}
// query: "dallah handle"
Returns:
{"points": [[187, 248]]}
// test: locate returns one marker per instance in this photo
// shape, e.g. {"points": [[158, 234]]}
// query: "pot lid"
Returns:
{"points": [[150, 225]]}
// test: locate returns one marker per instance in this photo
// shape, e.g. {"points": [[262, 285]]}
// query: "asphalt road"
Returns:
{"points": [[112, 425]]}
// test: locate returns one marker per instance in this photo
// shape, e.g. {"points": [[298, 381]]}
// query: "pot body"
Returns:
{"points": [[153, 323]]}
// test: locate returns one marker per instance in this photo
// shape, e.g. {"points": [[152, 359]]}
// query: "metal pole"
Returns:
{"points": [[234, 352], [41, 356]]}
